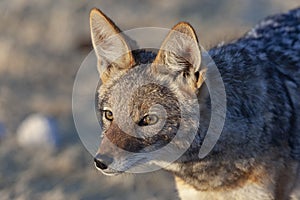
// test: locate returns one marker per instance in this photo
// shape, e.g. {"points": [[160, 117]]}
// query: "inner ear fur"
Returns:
{"points": [[112, 49]]}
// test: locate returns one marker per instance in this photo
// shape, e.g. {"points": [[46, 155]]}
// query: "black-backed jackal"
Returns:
{"points": [[257, 155]]}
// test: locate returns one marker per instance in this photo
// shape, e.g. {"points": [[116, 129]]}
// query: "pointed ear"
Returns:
{"points": [[111, 48], [180, 56]]}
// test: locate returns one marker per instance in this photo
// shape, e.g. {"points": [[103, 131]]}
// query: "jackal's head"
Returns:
{"points": [[146, 101]]}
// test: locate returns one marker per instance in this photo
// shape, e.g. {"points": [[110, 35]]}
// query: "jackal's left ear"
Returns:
{"points": [[180, 56], [112, 50]]}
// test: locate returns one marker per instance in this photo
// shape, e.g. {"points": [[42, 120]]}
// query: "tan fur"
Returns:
{"points": [[262, 182]]}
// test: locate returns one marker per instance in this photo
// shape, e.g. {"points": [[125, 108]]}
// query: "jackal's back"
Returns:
{"points": [[261, 73]]}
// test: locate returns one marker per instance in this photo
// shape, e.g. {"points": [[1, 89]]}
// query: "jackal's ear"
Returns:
{"points": [[180, 56], [111, 48]]}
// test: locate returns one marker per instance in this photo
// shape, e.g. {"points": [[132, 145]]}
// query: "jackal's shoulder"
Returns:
{"points": [[274, 39]]}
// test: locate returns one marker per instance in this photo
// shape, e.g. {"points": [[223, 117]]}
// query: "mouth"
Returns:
{"points": [[110, 171]]}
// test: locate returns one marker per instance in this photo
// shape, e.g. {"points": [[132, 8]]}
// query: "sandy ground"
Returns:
{"points": [[42, 44]]}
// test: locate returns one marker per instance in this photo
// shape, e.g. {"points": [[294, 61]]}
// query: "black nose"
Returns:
{"points": [[102, 161]]}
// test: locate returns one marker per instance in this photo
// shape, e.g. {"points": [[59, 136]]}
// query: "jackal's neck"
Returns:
{"points": [[220, 173]]}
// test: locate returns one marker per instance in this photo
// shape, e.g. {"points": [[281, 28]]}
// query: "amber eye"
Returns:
{"points": [[108, 115], [148, 120]]}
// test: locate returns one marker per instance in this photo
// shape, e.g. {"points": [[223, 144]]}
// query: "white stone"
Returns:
{"points": [[37, 130]]}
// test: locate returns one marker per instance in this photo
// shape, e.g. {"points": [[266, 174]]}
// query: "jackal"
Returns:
{"points": [[257, 155]]}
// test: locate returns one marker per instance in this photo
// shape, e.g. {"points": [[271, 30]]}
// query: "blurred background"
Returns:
{"points": [[42, 44]]}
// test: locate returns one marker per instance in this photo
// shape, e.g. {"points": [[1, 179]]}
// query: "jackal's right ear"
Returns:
{"points": [[111, 48]]}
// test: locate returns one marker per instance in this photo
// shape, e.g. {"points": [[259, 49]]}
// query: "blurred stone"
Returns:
{"points": [[39, 131]]}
